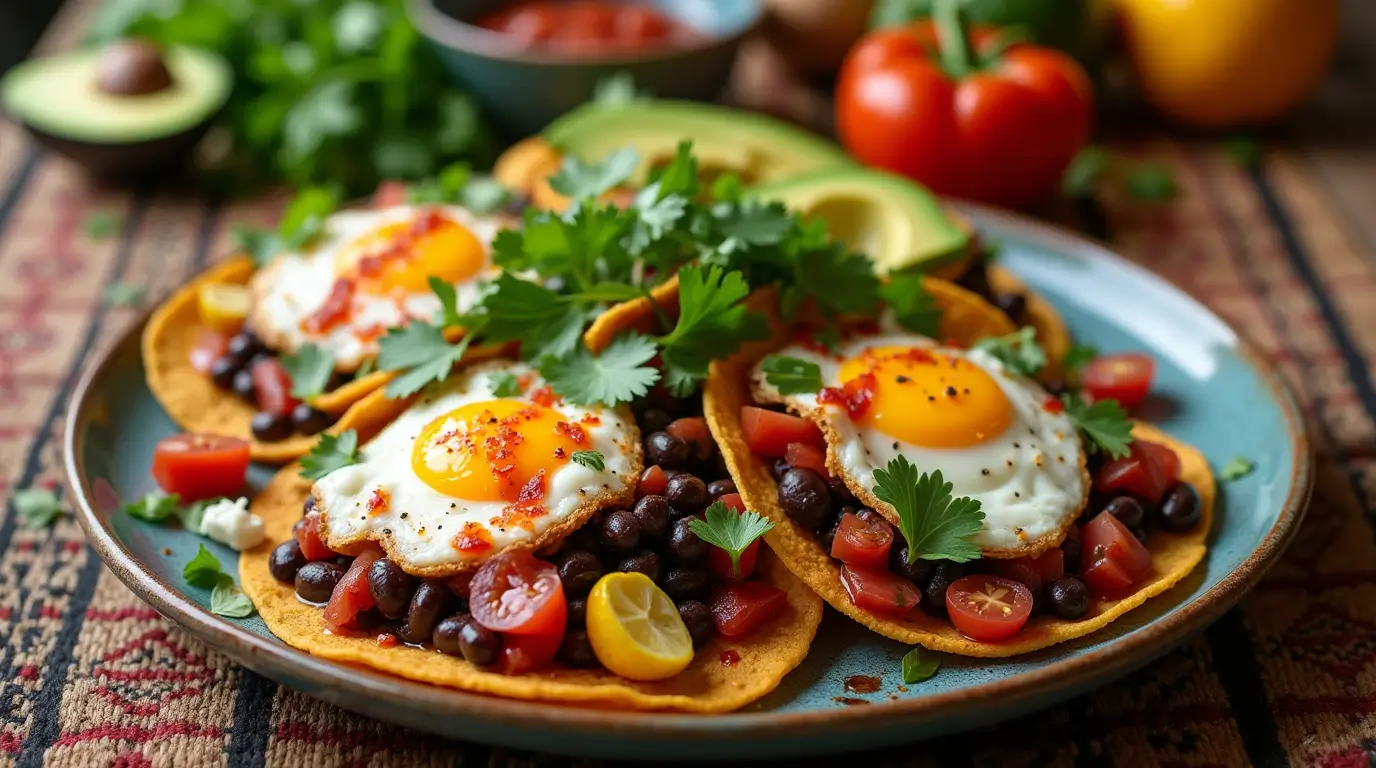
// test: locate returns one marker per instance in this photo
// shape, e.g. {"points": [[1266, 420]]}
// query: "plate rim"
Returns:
{"points": [[277, 660]]}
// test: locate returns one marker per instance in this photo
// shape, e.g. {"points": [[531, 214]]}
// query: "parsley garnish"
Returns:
{"points": [[505, 384], [226, 599], [1237, 468], [154, 507], [935, 525], [1151, 183], [577, 179], [1018, 351], [1077, 357], [310, 370], [912, 306], [1105, 424], [456, 185], [330, 453], [123, 295], [619, 375], [203, 570], [37, 507], [301, 224], [919, 664], [1085, 171], [99, 225], [792, 376], [591, 459], [713, 322], [724, 528], [419, 349]]}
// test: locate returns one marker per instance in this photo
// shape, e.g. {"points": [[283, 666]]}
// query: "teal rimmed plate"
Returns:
{"points": [[1223, 398]]}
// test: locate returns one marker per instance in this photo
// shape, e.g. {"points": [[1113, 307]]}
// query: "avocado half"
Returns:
{"points": [[125, 108], [898, 223], [755, 147]]}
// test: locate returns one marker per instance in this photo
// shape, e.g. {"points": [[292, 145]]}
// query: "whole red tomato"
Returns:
{"points": [[945, 106]]}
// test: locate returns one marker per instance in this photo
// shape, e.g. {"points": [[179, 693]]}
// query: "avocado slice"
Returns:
{"points": [[898, 223], [755, 147]]}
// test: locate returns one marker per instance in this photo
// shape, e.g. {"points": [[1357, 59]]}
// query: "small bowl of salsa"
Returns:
{"points": [[529, 61]]}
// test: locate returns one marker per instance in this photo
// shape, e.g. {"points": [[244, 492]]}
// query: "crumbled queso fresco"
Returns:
{"points": [[229, 522]]}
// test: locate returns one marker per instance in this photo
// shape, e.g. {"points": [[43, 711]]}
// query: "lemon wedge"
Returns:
{"points": [[635, 629], [222, 306]]}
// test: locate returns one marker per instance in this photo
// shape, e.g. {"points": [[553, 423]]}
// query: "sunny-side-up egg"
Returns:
{"points": [[369, 271], [994, 435], [465, 473]]}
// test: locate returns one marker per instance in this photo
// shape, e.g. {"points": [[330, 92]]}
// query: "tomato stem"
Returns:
{"points": [[953, 36]]}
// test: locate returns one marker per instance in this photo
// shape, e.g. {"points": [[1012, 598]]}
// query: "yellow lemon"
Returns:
{"points": [[635, 629], [222, 306]]}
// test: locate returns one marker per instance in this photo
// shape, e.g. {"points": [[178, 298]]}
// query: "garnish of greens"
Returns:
{"points": [[505, 384], [99, 225], [919, 664], [1237, 468], [1077, 357], [329, 453], [158, 507], [122, 295], [593, 460], [37, 507], [792, 376], [309, 369], [226, 599], [722, 527], [300, 225], [457, 185], [1018, 351], [936, 525], [1105, 425]]}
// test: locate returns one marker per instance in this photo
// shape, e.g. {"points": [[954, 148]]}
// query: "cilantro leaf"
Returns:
{"points": [[228, 600], [154, 507], [99, 225], [680, 176], [713, 321], [329, 453], [193, 514], [838, 280], [1018, 351], [261, 246], [505, 384], [724, 528], [203, 570], [618, 375], [1105, 424], [449, 302], [305, 216], [590, 459], [419, 349], [727, 188], [912, 306], [37, 507], [366, 368], [484, 195], [1085, 171], [658, 215], [1245, 151], [546, 324], [753, 223], [1237, 468], [578, 180], [1077, 356], [935, 525], [1151, 183], [792, 376], [919, 664], [310, 370], [120, 294], [617, 91]]}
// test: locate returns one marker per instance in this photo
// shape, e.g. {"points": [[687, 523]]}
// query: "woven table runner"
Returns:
{"points": [[89, 675]]}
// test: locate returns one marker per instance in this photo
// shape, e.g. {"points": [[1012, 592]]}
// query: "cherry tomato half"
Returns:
{"points": [[1146, 472], [719, 560], [768, 433], [863, 543], [806, 456], [1032, 571], [208, 347], [740, 607], [272, 387], [197, 467], [525, 653], [988, 609], [1125, 378], [351, 595], [517, 593], [1114, 560], [653, 481], [637, 25], [693, 431], [307, 532], [879, 591]]}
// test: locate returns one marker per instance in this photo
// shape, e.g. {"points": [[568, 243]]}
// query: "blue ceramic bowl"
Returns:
{"points": [[524, 90]]}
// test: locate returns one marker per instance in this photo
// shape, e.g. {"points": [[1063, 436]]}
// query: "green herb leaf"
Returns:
{"points": [[579, 180], [590, 459], [505, 384], [329, 453], [261, 246], [305, 216], [727, 188], [483, 194], [792, 376], [421, 351], [1245, 151], [1237, 468], [912, 306], [1085, 171], [1151, 183], [154, 507], [228, 600], [1077, 357], [1018, 351], [203, 570], [936, 525], [619, 374], [123, 295], [37, 507], [310, 370], [193, 515], [919, 664], [713, 320], [1105, 424], [841, 282], [618, 91], [99, 225], [732, 532], [449, 302], [366, 368]]}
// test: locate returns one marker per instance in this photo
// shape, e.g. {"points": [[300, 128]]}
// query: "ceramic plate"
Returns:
{"points": [[1221, 398]]}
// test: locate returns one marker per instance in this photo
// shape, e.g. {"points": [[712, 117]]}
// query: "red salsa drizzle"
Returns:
{"points": [[474, 539], [1053, 404], [855, 395], [334, 311], [587, 26], [529, 505]]}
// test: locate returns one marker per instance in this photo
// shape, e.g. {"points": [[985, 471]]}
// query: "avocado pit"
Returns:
{"points": [[133, 68]]}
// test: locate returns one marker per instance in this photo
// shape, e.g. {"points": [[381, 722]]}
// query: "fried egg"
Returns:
{"points": [[994, 435], [369, 271], [465, 472]]}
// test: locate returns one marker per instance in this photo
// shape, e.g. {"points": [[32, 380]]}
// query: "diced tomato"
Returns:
{"points": [[208, 347], [1032, 571], [272, 387], [197, 467], [807, 456], [863, 543], [653, 481], [879, 591], [307, 532], [636, 25], [1146, 472], [526, 653], [389, 193], [719, 560], [693, 430], [1107, 548], [740, 607], [1125, 378], [351, 595], [988, 609], [517, 593], [768, 433]]}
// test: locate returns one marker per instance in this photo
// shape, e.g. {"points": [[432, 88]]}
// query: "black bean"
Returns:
{"points": [[270, 429], [431, 601], [684, 545], [478, 644], [1179, 510], [578, 613], [315, 582], [698, 619], [667, 451], [583, 538], [687, 494], [579, 570], [778, 468], [576, 651], [373, 622], [719, 488], [653, 513], [391, 587], [620, 531], [840, 493], [222, 370], [918, 572], [1128, 510], [827, 535], [976, 279], [684, 583], [286, 559], [445, 638], [243, 388], [1070, 549], [1013, 304], [343, 561], [243, 346], [308, 421], [654, 420], [1067, 598], [934, 591], [644, 561], [804, 497]]}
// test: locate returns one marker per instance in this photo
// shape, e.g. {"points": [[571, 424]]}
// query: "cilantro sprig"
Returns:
{"points": [[936, 525], [300, 225], [226, 599], [1237, 468], [1105, 425], [724, 528], [329, 453], [792, 376], [919, 664], [913, 307], [505, 384], [159, 507], [1018, 351], [593, 460], [37, 507], [310, 369]]}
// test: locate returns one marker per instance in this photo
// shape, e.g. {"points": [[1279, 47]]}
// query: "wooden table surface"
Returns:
{"points": [[91, 676]]}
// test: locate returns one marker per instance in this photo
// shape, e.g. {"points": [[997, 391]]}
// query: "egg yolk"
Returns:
{"points": [[927, 398], [404, 255], [490, 450]]}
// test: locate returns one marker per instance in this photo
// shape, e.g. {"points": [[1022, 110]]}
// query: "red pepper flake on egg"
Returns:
{"points": [[528, 506], [474, 539], [855, 395], [377, 503], [545, 397], [572, 432], [1053, 404]]}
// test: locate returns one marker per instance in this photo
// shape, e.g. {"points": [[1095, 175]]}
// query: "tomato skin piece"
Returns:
{"points": [[653, 481], [1125, 378], [351, 595], [879, 591], [804, 456], [988, 609], [768, 433], [197, 467], [527, 653], [272, 387], [863, 544], [693, 430], [1146, 472], [516, 593], [210, 345], [1106, 540], [307, 532], [1032, 571], [740, 607], [1105, 577], [719, 560]]}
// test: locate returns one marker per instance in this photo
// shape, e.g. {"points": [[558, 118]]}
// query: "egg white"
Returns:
{"points": [[422, 541], [1030, 480], [296, 284]]}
